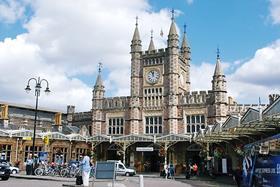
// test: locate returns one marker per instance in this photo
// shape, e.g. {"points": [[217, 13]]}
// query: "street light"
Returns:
{"points": [[38, 87]]}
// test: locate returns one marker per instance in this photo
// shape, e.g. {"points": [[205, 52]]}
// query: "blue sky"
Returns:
{"points": [[64, 40], [239, 27]]}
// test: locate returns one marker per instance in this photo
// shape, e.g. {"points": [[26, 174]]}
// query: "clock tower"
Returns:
{"points": [[158, 77]]}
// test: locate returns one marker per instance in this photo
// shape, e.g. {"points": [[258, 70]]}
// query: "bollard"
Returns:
{"points": [[141, 181]]}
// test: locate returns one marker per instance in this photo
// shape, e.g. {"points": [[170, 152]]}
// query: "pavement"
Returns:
{"points": [[218, 181]]}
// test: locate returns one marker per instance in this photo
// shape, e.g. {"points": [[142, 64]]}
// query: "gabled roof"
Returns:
{"points": [[216, 127], [250, 115], [232, 121], [273, 109]]}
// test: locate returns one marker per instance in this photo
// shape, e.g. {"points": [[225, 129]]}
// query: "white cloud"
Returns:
{"points": [[201, 76], [275, 11], [66, 41], [189, 2], [11, 11], [249, 80], [258, 76]]}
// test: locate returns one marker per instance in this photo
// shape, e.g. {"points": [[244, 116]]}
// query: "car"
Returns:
{"points": [[13, 169], [4, 171], [122, 170]]}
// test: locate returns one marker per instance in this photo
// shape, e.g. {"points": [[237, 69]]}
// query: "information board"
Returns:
{"points": [[105, 170]]}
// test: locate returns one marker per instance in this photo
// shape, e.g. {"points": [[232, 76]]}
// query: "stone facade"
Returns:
{"points": [[161, 103], [160, 86]]}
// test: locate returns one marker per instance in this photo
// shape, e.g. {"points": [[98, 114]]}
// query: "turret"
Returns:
{"points": [[151, 46], [185, 49], [136, 42], [98, 90], [135, 62], [186, 53], [97, 103], [217, 107], [173, 37], [173, 72], [219, 81]]}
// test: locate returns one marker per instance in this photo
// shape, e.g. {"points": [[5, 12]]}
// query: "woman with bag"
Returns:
{"points": [[86, 168]]}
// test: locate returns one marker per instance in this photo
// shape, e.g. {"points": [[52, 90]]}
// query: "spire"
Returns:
{"points": [[136, 35], [173, 38], [185, 49], [218, 68], [184, 42], [99, 82], [172, 30], [136, 42], [151, 46]]}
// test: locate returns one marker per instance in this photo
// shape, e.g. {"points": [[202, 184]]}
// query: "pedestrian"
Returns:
{"points": [[86, 168], [188, 171], [166, 171], [29, 165], [171, 171], [237, 176], [195, 169]]}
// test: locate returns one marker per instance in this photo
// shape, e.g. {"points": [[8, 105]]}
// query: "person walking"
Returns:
{"points": [[171, 171], [166, 171], [29, 165], [237, 176], [86, 168], [195, 169]]}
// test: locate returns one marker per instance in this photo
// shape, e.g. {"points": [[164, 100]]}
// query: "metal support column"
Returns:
{"points": [[124, 149], [165, 153]]}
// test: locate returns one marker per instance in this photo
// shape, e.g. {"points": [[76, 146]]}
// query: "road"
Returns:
{"points": [[121, 182], [126, 182]]}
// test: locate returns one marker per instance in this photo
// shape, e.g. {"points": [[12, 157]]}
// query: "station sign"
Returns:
{"points": [[27, 138], [144, 149]]}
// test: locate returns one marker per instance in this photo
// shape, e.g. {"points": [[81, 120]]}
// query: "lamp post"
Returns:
{"points": [[38, 87]]}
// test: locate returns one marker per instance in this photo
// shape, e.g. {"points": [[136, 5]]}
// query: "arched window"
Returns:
{"points": [[110, 130], [155, 129], [121, 130], [118, 130], [147, 129], [197, 128], [160, 129], [202, 126], [114, 130], [151, 120], [188, 128], [151, 130], [193, 128]]}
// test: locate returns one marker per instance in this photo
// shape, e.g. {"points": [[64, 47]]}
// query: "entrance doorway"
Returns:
{"points": [[192, 154], [152, 161], [146, 160], [113, 152]]}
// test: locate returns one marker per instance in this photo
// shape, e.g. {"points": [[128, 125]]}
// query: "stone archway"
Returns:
{"points": [[192, 154]]}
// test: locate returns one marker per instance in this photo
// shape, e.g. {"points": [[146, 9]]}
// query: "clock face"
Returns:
{"points": [[153, 76]]}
